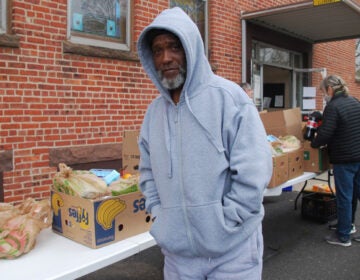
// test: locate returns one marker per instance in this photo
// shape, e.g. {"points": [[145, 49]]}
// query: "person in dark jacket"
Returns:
{"points": [[340, 131]]}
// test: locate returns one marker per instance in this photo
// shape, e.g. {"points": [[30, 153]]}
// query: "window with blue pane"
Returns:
{"points": [[103, 23]]}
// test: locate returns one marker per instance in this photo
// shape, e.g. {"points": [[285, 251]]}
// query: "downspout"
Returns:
{"points": [[243, 50]]}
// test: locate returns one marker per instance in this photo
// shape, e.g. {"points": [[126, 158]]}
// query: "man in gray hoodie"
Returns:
{"points": [[204, 159]]}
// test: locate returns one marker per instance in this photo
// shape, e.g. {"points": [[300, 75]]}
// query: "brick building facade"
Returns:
{"points": [[61, 102]]}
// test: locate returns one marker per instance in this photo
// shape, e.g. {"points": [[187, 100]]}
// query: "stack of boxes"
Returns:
{"points": [[292, 164]]}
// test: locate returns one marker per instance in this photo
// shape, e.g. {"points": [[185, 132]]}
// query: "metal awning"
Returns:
{"points": [[312, 23]]}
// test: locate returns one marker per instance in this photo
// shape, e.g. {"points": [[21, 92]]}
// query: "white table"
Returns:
{"points": [[276, 191], [57, 257]]}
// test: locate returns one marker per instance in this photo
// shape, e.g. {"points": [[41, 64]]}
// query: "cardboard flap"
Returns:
{"points": [[130, 152], [293, 122], [283, 122]]}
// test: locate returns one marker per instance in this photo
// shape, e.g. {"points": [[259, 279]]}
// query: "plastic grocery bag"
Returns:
{"points": [[81, 183], [125, 185], [20, 226]]}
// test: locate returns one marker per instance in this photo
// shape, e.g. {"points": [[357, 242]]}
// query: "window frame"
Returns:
{"points": [[4, 17], [7, 38], [88, 41], [206, 26], [357, 60]]}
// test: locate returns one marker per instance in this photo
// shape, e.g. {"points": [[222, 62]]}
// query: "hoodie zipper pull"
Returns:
{"points": [[176, 115]]}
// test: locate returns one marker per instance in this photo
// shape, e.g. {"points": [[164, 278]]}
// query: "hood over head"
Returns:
{"points": [[198, 70], [177, 22]]}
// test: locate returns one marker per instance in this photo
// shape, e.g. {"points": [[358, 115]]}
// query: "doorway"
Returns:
{"points": [[276, 88]]}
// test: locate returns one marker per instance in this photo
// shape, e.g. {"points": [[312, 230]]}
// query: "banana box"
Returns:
{"points": [[280, 170], [296, 163], [100, 222]]}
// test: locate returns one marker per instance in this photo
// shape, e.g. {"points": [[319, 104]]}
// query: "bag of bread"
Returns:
{"points": [[81, 183], [21, 225]]}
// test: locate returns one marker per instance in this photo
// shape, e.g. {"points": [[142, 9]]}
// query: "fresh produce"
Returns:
{"points": [[290, 142], [21, 225], [126, 184], [283, 144], [322, 188], [79, 183]]}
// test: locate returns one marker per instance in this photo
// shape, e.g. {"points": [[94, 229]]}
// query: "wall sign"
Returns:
{"points": [[324, 2]]}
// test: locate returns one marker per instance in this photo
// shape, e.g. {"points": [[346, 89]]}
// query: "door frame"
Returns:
{"points": [[296, 93]]}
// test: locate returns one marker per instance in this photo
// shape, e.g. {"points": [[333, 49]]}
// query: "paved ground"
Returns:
{"points": [[294, 250]]}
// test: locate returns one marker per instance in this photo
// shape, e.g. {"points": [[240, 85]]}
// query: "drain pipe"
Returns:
{"points": [[243, 50]]}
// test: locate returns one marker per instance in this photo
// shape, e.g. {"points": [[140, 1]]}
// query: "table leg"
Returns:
{"points": [[297, 197]]}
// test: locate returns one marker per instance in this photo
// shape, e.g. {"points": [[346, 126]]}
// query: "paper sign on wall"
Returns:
{"points": [[309, 91], [309, 104], [279, 101]]}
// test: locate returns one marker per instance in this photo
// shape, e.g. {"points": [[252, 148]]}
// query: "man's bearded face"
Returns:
{"points": [[173, 83]]}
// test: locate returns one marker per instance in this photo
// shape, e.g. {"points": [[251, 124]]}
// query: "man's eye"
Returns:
{"points": [[176, 47], [156, 52]]}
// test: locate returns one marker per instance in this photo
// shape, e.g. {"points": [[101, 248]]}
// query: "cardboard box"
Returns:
{"points": [[97, 223], [296, 163], [280, 170], [315, 160], [282, 123], [130, 152]]}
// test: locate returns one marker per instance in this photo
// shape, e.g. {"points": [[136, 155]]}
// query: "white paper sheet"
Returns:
{"points": [[267, 101], [279, 101], [256, 85], [309, 91], [309, 104]]}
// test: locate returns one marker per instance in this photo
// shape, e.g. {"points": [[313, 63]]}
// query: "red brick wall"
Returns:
{"points": [[225, 44], [51, 99], [225, 34], [338, 58]]}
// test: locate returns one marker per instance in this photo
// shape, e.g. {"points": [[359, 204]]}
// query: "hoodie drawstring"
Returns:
{"points": [[167, 140]]}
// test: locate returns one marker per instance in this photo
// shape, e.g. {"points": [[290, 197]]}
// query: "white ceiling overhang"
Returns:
{"points": [[311, 23]]}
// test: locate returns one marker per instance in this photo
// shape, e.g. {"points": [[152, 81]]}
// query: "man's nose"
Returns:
{"points": [[167, 56]]}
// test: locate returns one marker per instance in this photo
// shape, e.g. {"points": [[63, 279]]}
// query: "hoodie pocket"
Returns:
{"points": [[211, 236], [199, 230], [170, 232]]}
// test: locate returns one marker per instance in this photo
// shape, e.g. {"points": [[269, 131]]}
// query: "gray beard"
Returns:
{"points": [[174, 83]]}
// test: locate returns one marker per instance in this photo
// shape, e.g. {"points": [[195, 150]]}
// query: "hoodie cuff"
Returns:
{"points": [[155, 210]]}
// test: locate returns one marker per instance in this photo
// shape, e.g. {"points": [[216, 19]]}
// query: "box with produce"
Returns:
{"points": [[95, 212], [292, 146], [285, 136]]}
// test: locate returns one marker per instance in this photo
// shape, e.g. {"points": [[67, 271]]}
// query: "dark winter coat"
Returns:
{"points": [[340, 129]]}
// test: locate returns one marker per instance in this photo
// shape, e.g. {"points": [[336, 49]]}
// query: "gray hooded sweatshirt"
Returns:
{"points": [[205, 161]]}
